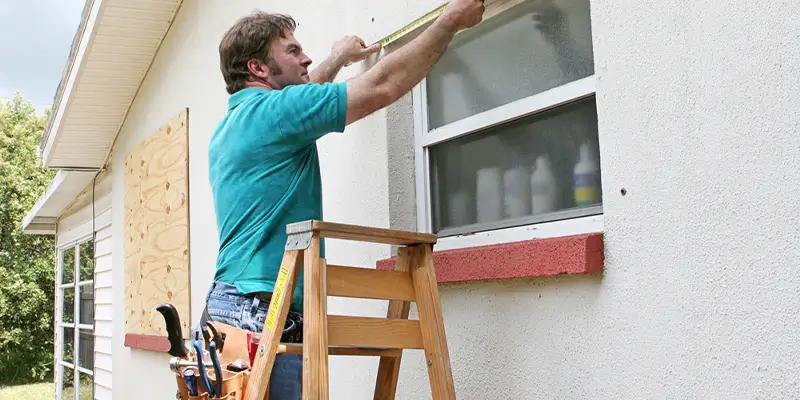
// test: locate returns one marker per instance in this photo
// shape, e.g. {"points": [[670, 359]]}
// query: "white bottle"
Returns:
{"points": [[489, 194], [517, 192], [543, 186], [459, 208], [586, 178]]}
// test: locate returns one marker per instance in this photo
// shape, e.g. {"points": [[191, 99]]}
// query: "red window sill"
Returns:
{"points": [[147, 342], [578, 254]]}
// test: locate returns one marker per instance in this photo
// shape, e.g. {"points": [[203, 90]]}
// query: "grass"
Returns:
{"points": [[38, 391]]}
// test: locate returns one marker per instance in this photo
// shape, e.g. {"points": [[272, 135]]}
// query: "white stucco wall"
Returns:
{"points": [[698, 121], [354, 164]]}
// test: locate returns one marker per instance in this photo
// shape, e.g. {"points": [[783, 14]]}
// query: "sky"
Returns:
{"points": [[35, 37]]}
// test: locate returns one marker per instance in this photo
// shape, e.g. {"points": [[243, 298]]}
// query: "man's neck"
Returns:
{"points": [[260, 85]]}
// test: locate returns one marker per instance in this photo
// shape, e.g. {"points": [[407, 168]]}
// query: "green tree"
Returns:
{"points": [[27, 262]]}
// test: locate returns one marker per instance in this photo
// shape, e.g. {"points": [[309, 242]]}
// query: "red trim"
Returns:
{"points": [[147, 342], [579, 254]]}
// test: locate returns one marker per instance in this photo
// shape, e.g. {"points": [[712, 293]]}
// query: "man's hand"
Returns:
{"points": [[346, 51], [351, 49], [463, 14], [398, 72]]}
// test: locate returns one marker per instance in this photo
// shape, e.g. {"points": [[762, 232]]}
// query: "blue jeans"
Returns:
{"points": [[228, 306]]}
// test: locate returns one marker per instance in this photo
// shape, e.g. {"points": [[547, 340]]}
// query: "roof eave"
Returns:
{"points": [[60, 193]]}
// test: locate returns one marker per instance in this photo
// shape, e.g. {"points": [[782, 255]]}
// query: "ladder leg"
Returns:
{"points": [[389, 367], [273, 325], [434, 339], [315, 325]]}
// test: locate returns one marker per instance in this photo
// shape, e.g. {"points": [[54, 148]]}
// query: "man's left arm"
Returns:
{"points": [[347, 50]]}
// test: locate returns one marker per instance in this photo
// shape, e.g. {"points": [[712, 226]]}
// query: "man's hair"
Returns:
{"points": [[250, 37]]}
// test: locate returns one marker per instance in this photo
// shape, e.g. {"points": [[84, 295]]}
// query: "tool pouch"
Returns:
{"points": [[233, 383], [233, 386]]}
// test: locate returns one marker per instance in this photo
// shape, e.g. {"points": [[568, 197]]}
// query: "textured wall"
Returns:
{"points": [[698, 116], [698, 121], [354, 164], [698, 112]]}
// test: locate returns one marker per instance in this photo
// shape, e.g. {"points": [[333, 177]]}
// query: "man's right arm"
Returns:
{"points": [[400, 71]]}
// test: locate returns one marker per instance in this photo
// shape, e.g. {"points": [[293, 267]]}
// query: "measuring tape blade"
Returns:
{"points": [[414, 25]]}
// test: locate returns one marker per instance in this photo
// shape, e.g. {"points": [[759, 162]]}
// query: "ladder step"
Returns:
{"points": [[297, 348], [374, 332], [361, 233], [366, 283]]}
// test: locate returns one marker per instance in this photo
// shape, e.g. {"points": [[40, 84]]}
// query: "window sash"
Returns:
{"points": [[522, 108], [528, 106]]}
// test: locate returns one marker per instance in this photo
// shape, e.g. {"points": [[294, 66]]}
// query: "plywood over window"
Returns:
{"points": [[157, 229]]}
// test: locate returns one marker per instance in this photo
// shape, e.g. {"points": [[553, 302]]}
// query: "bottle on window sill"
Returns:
{"points": [[543, 186], [489, 197], [586, 178], [516, 192]]}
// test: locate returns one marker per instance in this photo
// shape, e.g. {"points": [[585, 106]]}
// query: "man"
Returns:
{"points": [[263, 164]]}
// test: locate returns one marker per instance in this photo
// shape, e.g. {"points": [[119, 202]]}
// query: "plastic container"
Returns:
{"points": [[489, 194], [586, 178], [516, 192], [543, 186]]}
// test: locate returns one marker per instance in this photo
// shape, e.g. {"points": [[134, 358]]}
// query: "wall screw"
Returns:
{"points": [[430, 362]]}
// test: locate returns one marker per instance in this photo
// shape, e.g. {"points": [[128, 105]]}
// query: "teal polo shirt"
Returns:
{"points": [[264, 174]]}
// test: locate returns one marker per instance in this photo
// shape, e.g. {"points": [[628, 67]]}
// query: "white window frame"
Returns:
{"points": [[566, 222], [76, 326]]}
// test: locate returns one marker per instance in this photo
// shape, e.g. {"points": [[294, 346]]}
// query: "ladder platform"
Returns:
{"points": [[297, 348], [335, 230]]}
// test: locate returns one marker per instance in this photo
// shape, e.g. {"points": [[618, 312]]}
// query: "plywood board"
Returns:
{"points": [[157, 229]]}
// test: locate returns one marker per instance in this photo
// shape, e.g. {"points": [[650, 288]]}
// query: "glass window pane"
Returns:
{"points": [[68, 383], [68, 306], [68, 265], [519, 172], [86, 348], [527, 49], [87, 304], [68, 345], [87, 387], [86, 262]]}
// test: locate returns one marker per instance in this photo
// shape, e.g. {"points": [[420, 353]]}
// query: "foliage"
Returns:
{"points": [[27, 262]]}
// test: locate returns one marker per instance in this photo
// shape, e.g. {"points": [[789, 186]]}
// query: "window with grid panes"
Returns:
{"points": [[506, 124], [75, 360]]}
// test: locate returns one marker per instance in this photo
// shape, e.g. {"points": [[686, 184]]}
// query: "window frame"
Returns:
{"points": [[559, 223], [77, 285]]}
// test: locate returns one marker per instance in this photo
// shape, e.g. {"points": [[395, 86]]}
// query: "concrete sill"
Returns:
{"points": [[577, 254], [147, 342]]}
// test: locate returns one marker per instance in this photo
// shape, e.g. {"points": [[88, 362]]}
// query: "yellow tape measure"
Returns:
{"points": [[414, 25]]}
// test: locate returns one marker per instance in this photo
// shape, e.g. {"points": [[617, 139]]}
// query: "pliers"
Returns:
{"points": [[211, 344]]}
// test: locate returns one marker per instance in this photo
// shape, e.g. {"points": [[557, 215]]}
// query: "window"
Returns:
{"points": [[75, 360], [506, 124]]}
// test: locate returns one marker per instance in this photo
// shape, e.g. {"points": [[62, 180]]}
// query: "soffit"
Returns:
{"points": [[112, 53]]}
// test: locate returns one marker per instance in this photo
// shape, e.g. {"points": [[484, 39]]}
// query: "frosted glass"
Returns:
{"points": [[528, 168], [529, 48]]}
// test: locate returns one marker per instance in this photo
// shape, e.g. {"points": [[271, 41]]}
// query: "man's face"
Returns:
{"points": [[289, 65]]}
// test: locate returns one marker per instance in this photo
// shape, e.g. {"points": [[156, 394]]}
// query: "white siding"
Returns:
{"points": [[75, 225], [103, 314]]}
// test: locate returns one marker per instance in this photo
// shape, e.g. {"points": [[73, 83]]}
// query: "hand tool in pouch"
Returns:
{"points": [[174, 334]]}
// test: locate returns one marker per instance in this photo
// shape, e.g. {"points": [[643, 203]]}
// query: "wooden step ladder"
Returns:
{"points": [[412, 280]]}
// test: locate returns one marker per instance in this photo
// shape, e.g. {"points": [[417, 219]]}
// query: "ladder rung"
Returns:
{"points": [[361, 233], [374, 332], [297, 348], [367, 283]]}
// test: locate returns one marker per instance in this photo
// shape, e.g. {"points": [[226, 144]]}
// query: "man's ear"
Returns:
{"points": [[257, 68]]}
